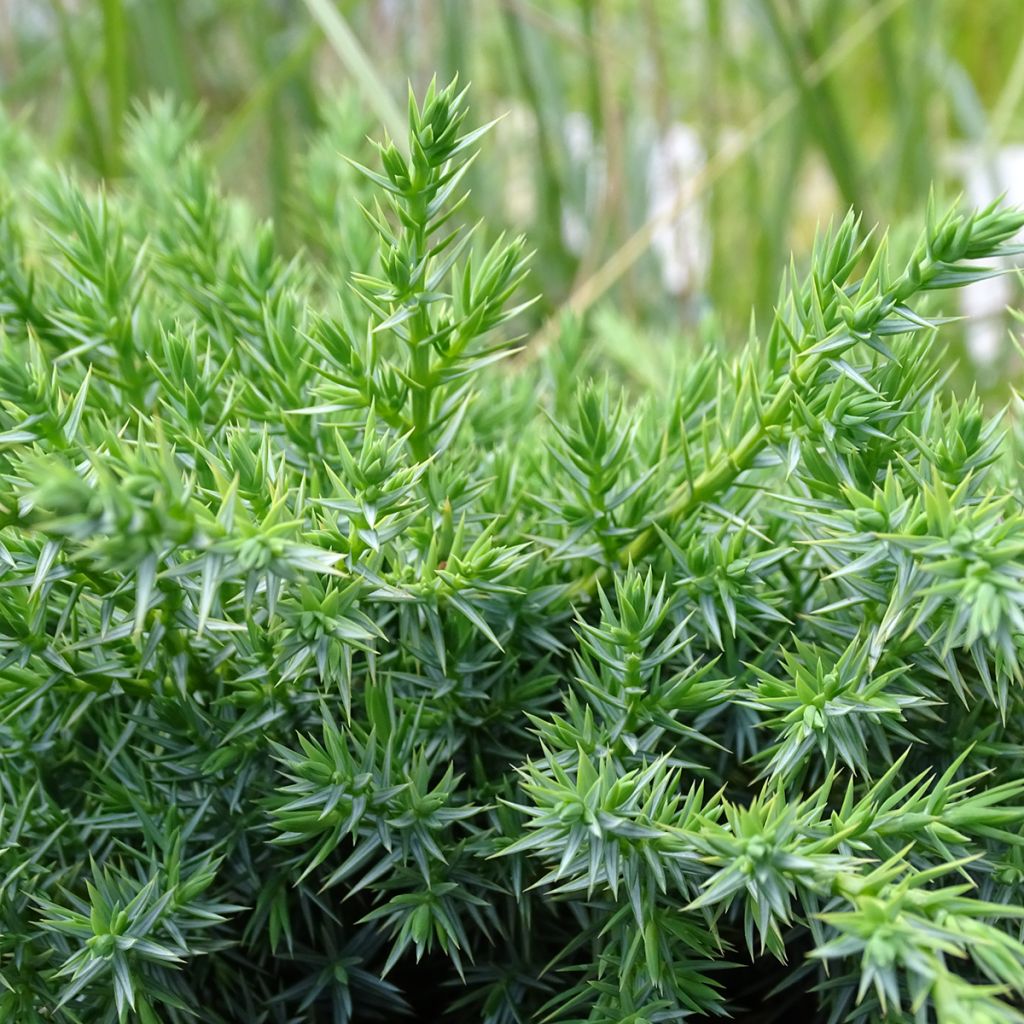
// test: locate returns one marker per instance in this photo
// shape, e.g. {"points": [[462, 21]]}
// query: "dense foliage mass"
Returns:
{"points": [[346, 676]]}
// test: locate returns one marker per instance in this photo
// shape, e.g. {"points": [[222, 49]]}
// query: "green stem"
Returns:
{"points": [[703, 487], [360, 65], [551, 191], [691, 494], [419, 371], [800, 52], [77, 70], [116, 70]]}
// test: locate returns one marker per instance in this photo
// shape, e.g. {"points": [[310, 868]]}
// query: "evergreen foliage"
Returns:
{"points": [[345, 676]]}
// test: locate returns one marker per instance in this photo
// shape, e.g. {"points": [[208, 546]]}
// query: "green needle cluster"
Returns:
{"points": [[345, 676]]}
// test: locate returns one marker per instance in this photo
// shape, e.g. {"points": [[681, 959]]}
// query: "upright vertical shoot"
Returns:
{"points": [[429, 294]]}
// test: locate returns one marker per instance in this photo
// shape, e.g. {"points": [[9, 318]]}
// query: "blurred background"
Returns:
{"points": [[664, 157]]}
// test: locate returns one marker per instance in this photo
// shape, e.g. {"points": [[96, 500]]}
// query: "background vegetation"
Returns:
{"points": [[778, 114]]}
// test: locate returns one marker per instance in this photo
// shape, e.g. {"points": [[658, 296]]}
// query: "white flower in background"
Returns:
{"points": [[31, 23], [516, 132], [681, 240], [984, 303], [588, 165]]}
